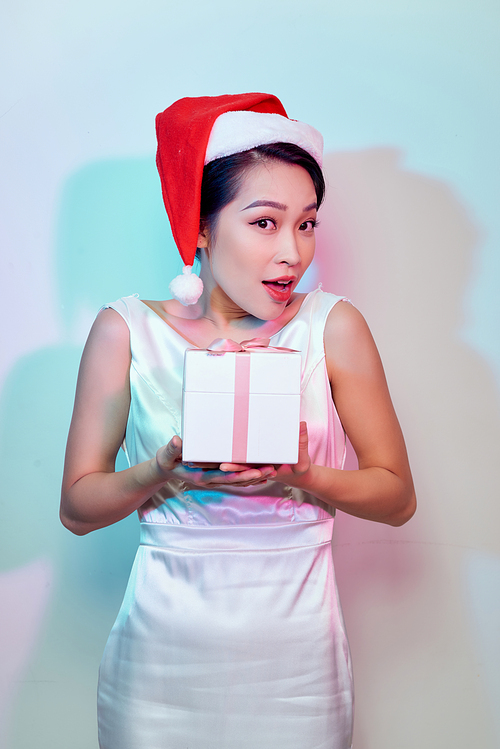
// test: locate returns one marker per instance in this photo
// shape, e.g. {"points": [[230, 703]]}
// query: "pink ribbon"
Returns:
{"points": [[223, 345], [242, 350], [241, 407]]}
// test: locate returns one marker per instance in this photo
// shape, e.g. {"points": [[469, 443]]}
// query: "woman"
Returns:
{"points": [[230, 634]]}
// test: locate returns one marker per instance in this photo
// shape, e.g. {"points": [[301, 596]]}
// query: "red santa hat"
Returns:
{"points": [[194, 131]]}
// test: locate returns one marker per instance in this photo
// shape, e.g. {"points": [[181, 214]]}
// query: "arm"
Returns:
{"points": [[93, 495], [382, 488]]}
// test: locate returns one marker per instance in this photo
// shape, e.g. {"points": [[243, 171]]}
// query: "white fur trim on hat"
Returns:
{"points": [[234, 132]]}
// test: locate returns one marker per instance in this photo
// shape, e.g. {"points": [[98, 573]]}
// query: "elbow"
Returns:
{"points": [[73, 525], [405, 510]]}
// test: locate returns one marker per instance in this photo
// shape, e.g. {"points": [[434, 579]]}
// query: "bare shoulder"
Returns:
{"points": [[109, 325], [107, 350], [109, 331], [344, 318], [349, 344]]}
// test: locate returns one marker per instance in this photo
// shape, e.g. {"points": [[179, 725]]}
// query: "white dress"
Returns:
{"points": [[230, 635]]}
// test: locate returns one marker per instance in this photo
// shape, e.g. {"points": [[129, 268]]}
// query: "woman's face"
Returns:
{"points": [[264, 240]]}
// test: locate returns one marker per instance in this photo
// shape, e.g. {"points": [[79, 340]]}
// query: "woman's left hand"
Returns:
{"points": [[284, 473]]}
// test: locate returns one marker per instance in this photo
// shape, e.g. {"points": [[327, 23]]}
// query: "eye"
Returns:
{"points": [[309, 225], [264, 223]]}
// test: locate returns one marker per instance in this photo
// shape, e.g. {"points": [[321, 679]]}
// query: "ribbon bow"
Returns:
{"points": [[223, 345]]}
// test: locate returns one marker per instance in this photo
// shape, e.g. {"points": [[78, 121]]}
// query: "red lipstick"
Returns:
{"points": [[280, 289]]}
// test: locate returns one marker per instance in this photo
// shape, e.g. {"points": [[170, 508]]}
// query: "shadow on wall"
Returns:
{"points": [[402, 246], [113, 239]]}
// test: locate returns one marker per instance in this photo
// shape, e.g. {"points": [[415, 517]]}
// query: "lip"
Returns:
{"points": [[279, 278], [275, 292]]}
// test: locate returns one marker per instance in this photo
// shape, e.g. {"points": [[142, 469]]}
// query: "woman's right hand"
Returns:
{"points": [[169, 456], [93, 495]]}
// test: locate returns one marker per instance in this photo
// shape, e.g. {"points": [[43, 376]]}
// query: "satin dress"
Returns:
{"points": [[230, 635]]}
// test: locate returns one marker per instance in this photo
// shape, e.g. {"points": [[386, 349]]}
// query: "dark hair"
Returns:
{"points": [[222, 177]]}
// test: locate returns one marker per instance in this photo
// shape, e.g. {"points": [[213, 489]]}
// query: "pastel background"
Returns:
{"points": [[406, 95]]}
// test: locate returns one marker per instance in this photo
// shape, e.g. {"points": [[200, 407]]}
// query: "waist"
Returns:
{"points": [[233, 537]]}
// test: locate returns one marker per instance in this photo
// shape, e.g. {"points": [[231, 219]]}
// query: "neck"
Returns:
{"points": [[220, 317], [216, 307]]}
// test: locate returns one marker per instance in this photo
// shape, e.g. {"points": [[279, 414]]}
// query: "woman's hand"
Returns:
{"points": [[382, 488], [169, 457], [169, 463], [285, 473]]}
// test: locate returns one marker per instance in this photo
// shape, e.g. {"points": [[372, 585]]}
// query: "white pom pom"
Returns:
{"points": [[188, 287]]}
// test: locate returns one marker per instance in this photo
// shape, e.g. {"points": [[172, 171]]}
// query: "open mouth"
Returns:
{"points": [[279, 288], [279, 285]]}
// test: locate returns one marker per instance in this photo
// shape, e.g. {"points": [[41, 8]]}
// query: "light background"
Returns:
{"points": [[406, 95]]}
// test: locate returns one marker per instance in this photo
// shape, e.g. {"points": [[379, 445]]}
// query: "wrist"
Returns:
{"points": [[303, 479], [159, 472], [154, 476]]}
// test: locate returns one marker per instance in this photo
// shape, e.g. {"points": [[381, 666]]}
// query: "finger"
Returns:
{"points": [[265, 471], [203, 466], [233, 467], [250, 476], [174, 447], [304, 461], [303, 441], [171, 453], [303, 436], [241, 477]]}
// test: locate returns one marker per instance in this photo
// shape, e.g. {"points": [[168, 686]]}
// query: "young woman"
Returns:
{"points": [[230, 634]]}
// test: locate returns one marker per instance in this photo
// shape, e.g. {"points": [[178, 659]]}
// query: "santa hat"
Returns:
{"points": [[194, 131]]}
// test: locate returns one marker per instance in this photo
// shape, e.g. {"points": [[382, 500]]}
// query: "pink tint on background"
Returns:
{"points": [[24, 593], [401, 245]]}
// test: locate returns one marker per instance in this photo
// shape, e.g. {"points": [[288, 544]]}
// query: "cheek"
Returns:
{"points": [[307, 253], [230, 267], [231, 255]]}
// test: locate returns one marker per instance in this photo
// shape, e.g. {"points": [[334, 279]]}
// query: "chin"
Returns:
{"points": [[268, 314], [263, 308]]}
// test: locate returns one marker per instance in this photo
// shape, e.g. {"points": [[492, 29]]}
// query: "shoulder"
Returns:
{"points": [[110, 325], [320, 303], [344, 319], [116, 320], [127, 308], [109, 338], [349, 344]]}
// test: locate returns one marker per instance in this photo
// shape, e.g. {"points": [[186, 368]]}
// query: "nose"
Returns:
{"points": [[288, 250]]}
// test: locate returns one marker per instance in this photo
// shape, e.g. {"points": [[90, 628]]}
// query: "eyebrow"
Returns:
{"points": [[278, 206], [269, 203]]}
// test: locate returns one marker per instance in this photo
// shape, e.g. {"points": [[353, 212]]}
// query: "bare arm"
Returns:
{"points": [[93, 495], [382, 488]]}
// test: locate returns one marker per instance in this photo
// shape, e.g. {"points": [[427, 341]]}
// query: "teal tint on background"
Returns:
{"points": [[88, 575], [113, 236]]}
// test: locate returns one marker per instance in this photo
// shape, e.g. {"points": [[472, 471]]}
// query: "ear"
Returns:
{"points": [[202, 238]]}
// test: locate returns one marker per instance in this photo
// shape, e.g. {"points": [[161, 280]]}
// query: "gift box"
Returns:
{"points": [[241, 403]]}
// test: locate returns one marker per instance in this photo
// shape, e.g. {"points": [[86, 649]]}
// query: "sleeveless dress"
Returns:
{"points": [[230, 635]]}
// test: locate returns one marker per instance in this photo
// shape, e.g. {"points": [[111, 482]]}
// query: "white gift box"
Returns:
{"points": [[241, 407]]}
